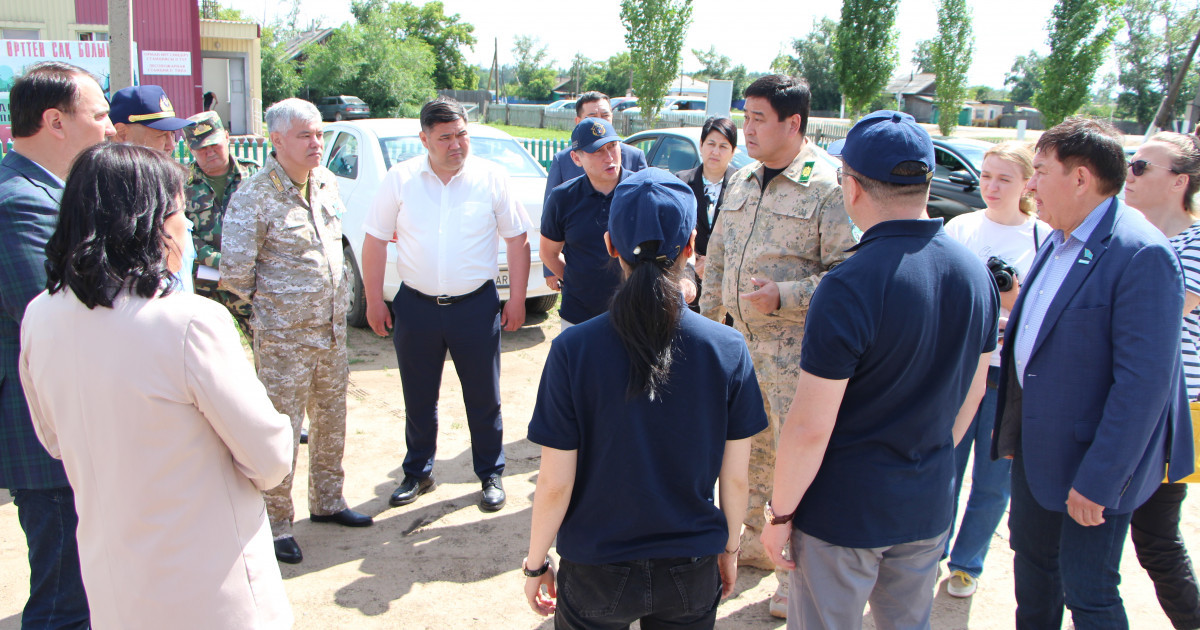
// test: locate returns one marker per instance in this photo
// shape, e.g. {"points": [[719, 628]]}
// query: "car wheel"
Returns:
{"points": [[356, 311], [541, 304], [337, 116]]}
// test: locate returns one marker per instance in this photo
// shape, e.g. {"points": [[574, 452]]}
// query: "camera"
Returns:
{"points": [[1003, 273]]}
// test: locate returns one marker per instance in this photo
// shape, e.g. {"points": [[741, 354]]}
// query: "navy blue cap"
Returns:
{"points": [[145, 105], [591, 134], [651, 205], [880, 141]]}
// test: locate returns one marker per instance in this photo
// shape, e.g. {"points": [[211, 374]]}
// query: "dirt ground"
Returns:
{"points": [[442, 563]]}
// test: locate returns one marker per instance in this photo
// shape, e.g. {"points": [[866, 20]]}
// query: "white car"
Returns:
{"points": [[360, 153]]}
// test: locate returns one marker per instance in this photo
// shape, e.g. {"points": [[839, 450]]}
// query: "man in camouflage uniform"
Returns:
{"points": [[781, 227], [282, 252], [212, 179]]}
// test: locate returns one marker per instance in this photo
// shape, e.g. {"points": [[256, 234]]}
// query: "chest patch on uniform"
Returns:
{"points": [[806, 172], [274, 177]]}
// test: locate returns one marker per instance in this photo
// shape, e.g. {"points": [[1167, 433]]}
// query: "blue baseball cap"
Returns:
{"points": [[145, 105], [652, 205], [880, 141], [591, 134]]}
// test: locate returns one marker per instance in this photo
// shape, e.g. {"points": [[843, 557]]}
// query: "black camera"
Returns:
{"points": [[1002, 273]]}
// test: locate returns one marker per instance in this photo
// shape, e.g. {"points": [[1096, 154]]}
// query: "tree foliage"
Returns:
{"points": [[714, 65], [393, 76], [535, 78], [445, 35], [1157, 36], [613, 76], [1025, 78], [654, 32], [279, 77], [865, 50], [952, 51], [1080, 33], [811, 61], [922, 58]]}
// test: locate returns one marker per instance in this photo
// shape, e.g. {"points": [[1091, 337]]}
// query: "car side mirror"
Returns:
{"points": [[966, 180]]}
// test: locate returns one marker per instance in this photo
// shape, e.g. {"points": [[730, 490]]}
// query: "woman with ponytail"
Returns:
{"points": [[640, 412]]}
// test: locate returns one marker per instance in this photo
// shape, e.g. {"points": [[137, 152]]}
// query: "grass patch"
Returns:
{"points": [[532, 132]]}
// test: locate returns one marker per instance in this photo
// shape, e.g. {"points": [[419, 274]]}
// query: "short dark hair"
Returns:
{"points": [[723, 126], [588, 97], [110, 227], [442, 109], [47, 85], [1091, 143], [788, 96], [884, 192]]}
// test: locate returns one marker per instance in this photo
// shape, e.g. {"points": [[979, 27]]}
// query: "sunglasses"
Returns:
{"points": [[1139, 167]]}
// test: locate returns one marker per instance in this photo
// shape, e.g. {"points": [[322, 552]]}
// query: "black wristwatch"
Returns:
{"points": [[539, 572], [775, 519]]}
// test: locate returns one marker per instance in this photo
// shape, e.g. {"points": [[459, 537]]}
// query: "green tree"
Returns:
{"points": [[952, 52], [280, 79], [1157, 36], [1025, 78], [654, 32], [865, 50], [718, 66], [922, 58], [394, 76], [1081, 32], [811, 61], [613, 76], [445, 34], [535, 77]]}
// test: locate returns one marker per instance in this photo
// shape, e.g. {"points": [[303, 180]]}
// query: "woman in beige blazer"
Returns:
{"points": [[146, 395]]}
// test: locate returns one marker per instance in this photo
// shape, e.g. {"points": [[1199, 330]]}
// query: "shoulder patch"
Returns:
{"points": [[275, 180], [806, 172]]}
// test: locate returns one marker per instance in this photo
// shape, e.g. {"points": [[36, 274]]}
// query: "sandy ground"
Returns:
{"points": [[442, 563]]}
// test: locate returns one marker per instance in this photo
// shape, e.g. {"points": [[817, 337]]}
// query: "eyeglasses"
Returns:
{"points": [[1139, 167], [839, 176]]}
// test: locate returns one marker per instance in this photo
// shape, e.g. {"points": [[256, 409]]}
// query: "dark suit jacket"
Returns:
{"points": [[694, 177], [563, 168], [29, 199], [1104, 403]]}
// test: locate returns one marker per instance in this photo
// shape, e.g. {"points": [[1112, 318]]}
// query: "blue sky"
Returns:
{"points": [[751, 34]]}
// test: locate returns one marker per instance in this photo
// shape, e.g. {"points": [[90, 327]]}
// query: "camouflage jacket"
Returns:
{"points": [[793, 233], [206, 212], [283, 254]]}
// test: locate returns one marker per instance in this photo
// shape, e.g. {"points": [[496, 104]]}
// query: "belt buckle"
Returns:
{"points": [[444, 300]]}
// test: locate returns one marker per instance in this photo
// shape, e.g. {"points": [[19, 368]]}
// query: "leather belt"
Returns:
{"points": [[447, 300]]}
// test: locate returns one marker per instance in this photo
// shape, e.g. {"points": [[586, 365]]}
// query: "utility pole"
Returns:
{"points": [[120, 44]]}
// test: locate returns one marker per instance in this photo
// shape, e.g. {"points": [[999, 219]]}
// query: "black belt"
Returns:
{"points": [[447, 300]]}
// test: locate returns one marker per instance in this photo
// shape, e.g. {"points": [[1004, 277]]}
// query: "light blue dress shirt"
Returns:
{"points": [[183, 277], [1062, 254]]}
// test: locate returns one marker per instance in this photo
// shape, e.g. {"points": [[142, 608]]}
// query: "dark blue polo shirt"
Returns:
{"points": [[646, 469], [905, 319], [576, 215]]}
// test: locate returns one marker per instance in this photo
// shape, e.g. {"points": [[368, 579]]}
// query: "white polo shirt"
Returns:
{"points": [[446, 233]]}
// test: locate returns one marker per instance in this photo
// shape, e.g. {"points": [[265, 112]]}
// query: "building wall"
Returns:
{"points": [[238, 41], [53, 19]]}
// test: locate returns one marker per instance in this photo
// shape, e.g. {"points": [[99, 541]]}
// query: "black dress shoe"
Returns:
{"points": [[286, 550], [346, 517], [493, 495], [303, 436], [410, 489]]}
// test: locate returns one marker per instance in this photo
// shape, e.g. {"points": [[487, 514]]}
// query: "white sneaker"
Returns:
{"points": [[961, 585], [778, 604]]}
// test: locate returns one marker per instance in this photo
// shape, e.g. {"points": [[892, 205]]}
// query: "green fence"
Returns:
{"points": [[543, 150]]}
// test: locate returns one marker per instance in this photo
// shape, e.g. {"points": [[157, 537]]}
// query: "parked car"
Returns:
{"points": [[674, 104], [360, 154], [677, 149], [954, 189], [343, 108], [620, 103], [561, 106]]}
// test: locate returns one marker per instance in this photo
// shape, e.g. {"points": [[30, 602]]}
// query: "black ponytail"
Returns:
{"points": [[646, 310]]}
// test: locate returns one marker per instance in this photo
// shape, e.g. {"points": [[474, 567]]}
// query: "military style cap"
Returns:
{"points": [[206, 132], [145, 105]]}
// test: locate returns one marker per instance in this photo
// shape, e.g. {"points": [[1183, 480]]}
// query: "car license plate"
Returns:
{"points": [[501, 281]]}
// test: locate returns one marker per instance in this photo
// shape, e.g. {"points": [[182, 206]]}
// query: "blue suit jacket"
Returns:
{"points": [[563, 168], [1104, 403], [29, 199]]}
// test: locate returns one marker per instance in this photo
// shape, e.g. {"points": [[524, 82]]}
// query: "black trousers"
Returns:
{"points": [[470, 331], [676, 593], [1161, 552]]}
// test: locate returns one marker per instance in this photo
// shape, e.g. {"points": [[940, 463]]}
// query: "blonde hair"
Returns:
{"points": [[1021, 154], [1185, 160]]}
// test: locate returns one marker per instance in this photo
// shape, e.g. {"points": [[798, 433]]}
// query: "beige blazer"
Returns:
{"points": [[168, 438]]}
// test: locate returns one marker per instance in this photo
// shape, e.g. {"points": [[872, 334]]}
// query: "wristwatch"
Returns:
{"points": [[535, 573], [774, 519]]}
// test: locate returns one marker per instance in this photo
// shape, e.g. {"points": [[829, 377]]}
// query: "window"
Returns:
{"points": [[92, 36], [19, 33], [343, 158], [645, 144], [946, 163], [675, 154]]}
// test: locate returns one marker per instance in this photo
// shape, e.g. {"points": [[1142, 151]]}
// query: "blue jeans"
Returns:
{"points": [[989, 487], [677, 593], [56, 596], [1058, 561]]}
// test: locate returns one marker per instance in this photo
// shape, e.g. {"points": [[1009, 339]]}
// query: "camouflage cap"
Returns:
{"points": [[206, 132]]}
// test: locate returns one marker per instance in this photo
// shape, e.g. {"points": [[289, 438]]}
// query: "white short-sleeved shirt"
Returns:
{"points": [[446, 233], [1187, 244], [1014, 244]]}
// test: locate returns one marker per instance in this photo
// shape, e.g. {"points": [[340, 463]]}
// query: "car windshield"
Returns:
{"points": [[506, 153], [973, 154], [354, 100]]}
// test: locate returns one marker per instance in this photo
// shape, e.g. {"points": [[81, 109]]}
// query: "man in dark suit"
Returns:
{"points": [[1091, 398], [563, 169], [57, 110]]}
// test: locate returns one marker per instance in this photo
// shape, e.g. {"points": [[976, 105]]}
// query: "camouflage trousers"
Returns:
{"points": [[297, 378], [239, 308], [777, 399]]}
